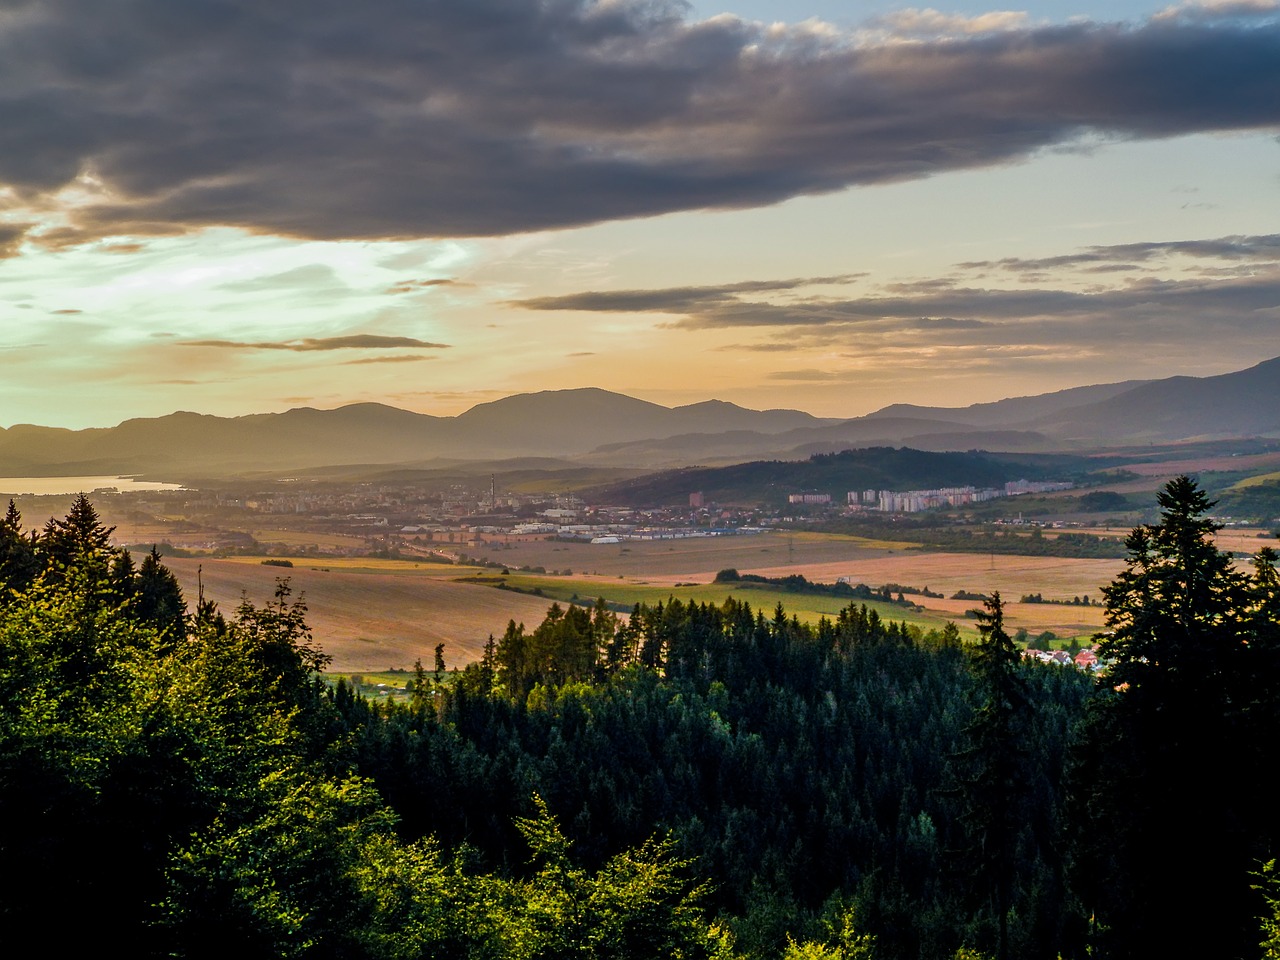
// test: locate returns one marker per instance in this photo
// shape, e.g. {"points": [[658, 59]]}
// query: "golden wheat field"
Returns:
{"points": [[371, 619]]}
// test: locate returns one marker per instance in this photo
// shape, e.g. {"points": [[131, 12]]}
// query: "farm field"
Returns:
{"points": [[374, 614], [684, 559], [1257, 480], [1165, 470], [368, 618], [1055, 578], [370, 614], [1245, 540], [306, 538], [629, 591]]}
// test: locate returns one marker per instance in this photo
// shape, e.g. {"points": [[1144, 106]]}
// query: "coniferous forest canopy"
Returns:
{"points": [[686, 781]]}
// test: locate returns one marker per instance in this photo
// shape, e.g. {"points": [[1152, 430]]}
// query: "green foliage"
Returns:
{"points": [[276, 874], [798, 583], [1260, 501], [842, 942], [638, 905], [886, 468], [1102, 501], [992, 769], [1269, 884], [183, 785], [187, 785], [1081, 545], [790, 762], [1190, 709], [129, 734], [18, 562]]}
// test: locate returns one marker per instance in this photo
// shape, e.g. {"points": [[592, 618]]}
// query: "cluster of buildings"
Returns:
{"points": [[913, 501], [1086, 659]]}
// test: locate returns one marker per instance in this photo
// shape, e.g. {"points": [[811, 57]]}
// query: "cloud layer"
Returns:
{"points": [[363, 341], [1173, 293], [411, 118]]}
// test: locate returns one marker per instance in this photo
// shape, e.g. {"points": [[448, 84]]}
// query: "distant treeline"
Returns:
{"points": [[768, 482], [798, 583], [1073, 602], [1081, 545], [1259, 502]]}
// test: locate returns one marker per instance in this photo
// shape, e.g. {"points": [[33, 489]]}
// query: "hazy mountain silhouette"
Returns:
{"points": [[1244, 403], [602, 428], [1013, 410], [554, 423]]}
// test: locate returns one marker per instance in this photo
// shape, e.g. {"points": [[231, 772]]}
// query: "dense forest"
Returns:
{"points": [[890, 468], [686, 781]]}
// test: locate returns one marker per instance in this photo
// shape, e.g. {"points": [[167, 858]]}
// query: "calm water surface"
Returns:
{"points": [[47, 486]]}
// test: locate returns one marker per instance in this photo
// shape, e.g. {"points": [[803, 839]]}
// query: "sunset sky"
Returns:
{"points": [[239, 206]]}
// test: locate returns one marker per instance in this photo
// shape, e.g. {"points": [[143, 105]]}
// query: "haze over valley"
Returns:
{"points": [[633, 479]]}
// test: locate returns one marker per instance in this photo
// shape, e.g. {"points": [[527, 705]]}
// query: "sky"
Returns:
{"points": [[236, 207]]}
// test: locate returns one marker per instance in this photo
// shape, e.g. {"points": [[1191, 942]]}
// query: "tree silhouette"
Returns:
{"points": [[1172, 818], [991, 770]]}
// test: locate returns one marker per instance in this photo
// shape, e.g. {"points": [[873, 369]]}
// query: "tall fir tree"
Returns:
{"points": [[992, 772], [1170, 821], [18, 562]]}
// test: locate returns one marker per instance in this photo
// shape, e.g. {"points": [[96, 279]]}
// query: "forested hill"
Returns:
{"points": [[689, 781], [880, 468]]}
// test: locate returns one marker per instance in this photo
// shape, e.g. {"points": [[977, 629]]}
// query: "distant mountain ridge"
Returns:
{"points": [[554, 423], [1014, 410], [601, 428]]}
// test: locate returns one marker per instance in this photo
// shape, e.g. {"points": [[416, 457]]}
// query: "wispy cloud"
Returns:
{"points": [[671, 299], [489, 117], [415, 286], [810, 375], [306, 344], [1263, 249], [1227, 286], [307, 277], [395, 359]]}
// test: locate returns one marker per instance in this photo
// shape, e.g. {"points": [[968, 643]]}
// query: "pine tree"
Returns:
{"points": [[18, 563], [159, 596], [1166, 777], [991, 769], [79, 539]]}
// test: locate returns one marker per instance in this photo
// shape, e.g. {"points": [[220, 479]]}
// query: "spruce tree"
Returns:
{"points": [[18, 563], [159, 597], [80, 535], [1170, 822], [991, 771]]}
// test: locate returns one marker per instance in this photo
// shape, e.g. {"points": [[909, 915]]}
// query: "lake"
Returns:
{"points": [[51, 486]]}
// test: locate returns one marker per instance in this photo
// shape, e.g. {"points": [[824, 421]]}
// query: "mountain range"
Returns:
{"points": [[596, 427]]}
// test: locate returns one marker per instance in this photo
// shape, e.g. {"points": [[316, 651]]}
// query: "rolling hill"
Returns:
{"points": [[600, 428]]}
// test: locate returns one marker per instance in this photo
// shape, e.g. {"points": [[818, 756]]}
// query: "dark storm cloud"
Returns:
{"points": [[392, 118], [357, 342], [11, 236]]}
